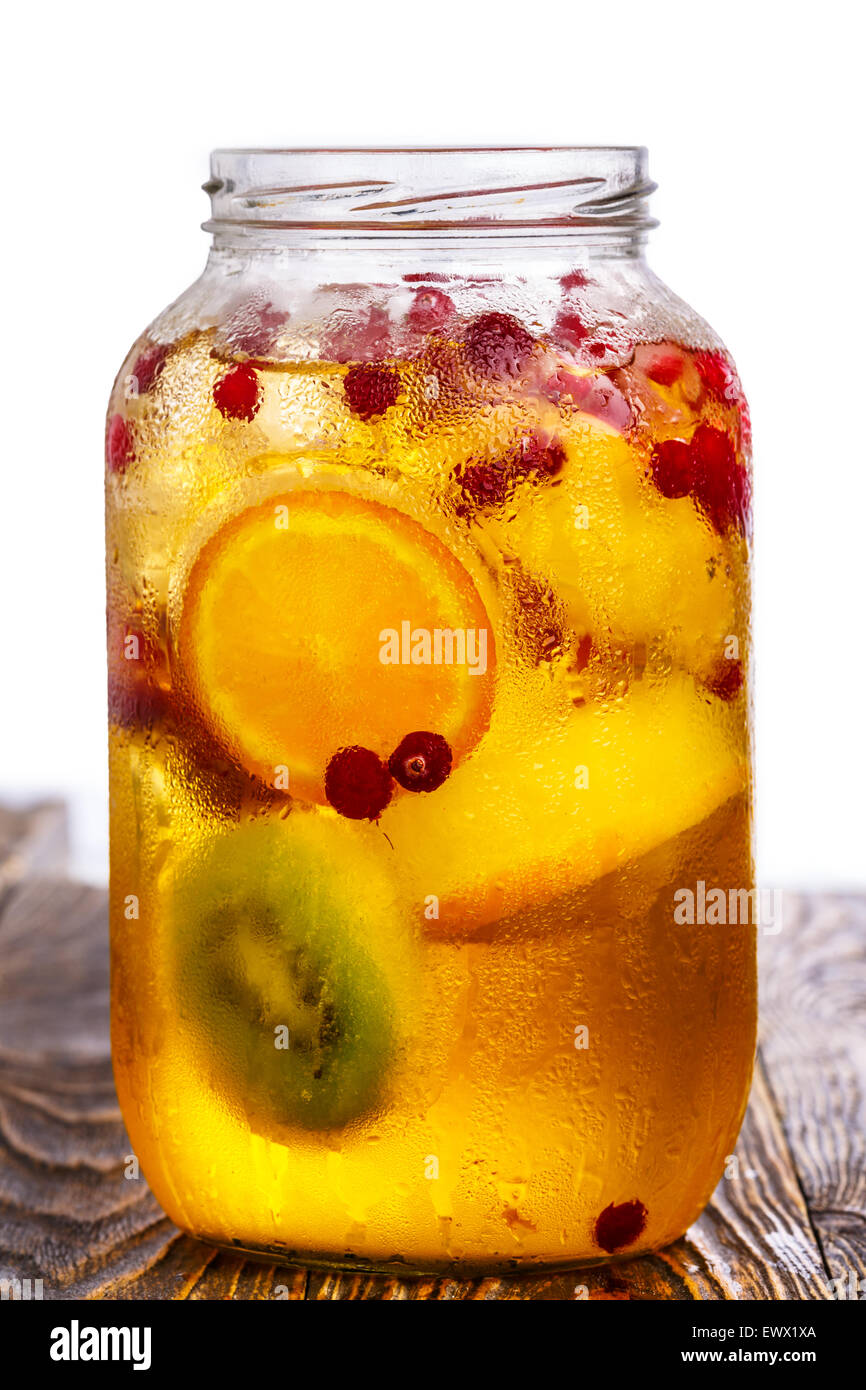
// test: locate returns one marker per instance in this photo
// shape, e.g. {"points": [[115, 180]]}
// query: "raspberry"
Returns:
{"points": [[721, 485], [254, 328], [570, 328], [536, 453], [574, 280], [484, 485], [718, 376], [237, 395], [421, 762], [430, 310], [489, 483], [351, 338], [619, 1225], [148, 368], [497, 345], [725, 680], [371, 390], [745, 423], [596, 395], [119, 445], [358, 784], [673, 468], [665, 368]]}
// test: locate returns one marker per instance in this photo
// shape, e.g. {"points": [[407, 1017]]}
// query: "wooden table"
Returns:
{"points": [[790, 1222]]}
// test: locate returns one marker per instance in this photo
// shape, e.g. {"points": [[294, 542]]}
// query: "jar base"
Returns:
{"points": [[398, 1268]]}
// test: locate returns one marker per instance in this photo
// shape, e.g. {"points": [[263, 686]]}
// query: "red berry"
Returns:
{"points": [[254, 327], [726, 679], [488, 483], [484, 485], [358, 784], [619, 1225], [718, 376], [595, 395], [421, 762], [570, 328], [745, 423], [497, 345], [673, 468], [574, 280], [371, 390], [665, 368], [119, 444], [721, 486], [237, 395], [538, 454], [355, 337], [430, 310], [147, 369]]}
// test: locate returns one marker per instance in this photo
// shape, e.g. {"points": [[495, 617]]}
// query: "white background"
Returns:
{"points": [[753, 116]]}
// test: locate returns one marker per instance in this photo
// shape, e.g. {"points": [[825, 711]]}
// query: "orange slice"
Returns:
{"points": [[310, 624]]}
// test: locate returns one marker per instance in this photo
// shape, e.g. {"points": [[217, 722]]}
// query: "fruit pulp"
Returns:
{"points": [[427, 706]]}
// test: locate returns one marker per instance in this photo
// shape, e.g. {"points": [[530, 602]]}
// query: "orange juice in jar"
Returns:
{"points": [[428, 520]]}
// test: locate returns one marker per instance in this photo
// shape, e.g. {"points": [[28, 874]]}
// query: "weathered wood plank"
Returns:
{"points": [[813, 1012], [68, 1214], [33, 841]]}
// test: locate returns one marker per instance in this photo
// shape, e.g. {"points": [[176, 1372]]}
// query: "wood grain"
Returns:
{"points": [[813, 1010], [791, 1216]]}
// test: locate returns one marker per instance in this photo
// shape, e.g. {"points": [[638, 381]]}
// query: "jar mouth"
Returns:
{"points": [[588, 189]]}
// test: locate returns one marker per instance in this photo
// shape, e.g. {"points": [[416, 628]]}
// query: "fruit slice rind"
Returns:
{"points": [[280, 641], [290, 925], [656, 762]]}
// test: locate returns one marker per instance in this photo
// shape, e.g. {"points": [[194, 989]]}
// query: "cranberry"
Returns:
{"points": [[497, 345], [421, 762], [726, 679], [237, 395], [673, 468], [148, 368], [570, 328], [429, 311], [371, 390], [619, 1225], [721, 486], [574, 280], [358, 784], [119, 444]]}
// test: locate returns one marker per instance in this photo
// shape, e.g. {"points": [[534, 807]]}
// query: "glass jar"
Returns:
{"points": [[428, 517]]}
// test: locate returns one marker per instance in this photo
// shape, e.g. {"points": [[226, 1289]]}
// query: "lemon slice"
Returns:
{"points": [[530, 819]]}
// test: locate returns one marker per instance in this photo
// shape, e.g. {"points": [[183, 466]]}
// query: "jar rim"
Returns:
{"points": [[432, 189]]}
